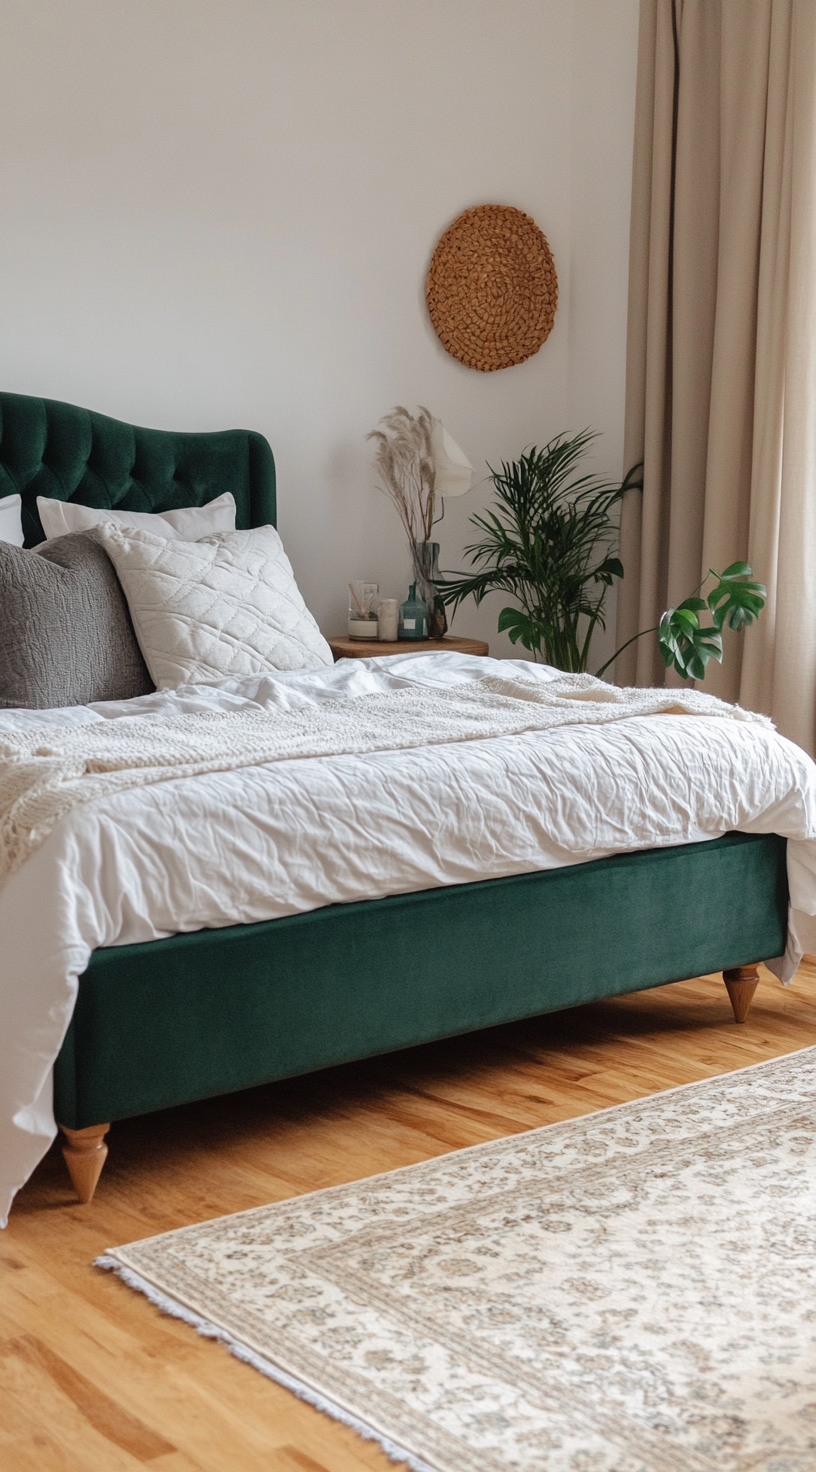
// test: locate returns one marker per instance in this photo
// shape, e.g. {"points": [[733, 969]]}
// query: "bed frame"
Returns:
{"points": [[210, 1012]]}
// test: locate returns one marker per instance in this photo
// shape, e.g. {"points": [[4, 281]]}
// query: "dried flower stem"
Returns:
{"points": [[404, 459]]}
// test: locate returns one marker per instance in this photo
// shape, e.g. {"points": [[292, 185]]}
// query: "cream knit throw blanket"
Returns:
{"points": [[45, 774]]}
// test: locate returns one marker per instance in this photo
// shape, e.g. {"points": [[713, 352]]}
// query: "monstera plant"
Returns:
{"points": [[734, 602], [551, 544]]}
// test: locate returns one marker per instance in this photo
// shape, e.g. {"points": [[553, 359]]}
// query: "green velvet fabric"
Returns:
{"points": [[207, 1013], [52, 449]]}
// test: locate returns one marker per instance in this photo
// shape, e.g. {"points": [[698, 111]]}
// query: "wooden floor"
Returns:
{"points": [[93, 1378]]}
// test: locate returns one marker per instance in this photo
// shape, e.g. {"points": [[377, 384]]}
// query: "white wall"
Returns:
{"points": [[221, 212]]}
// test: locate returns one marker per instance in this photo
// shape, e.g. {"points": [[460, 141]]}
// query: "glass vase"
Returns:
{"points": [[425, 557]]}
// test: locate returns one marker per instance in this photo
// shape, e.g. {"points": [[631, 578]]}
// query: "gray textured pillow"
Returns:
{"points": [[65, 632]]}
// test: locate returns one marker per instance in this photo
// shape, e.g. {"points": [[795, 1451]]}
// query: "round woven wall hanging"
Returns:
{"points": [[492, 290]]}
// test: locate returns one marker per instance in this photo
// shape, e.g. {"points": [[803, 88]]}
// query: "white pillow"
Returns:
{"points": [[11, 526], [189, 523], [223, 605]]}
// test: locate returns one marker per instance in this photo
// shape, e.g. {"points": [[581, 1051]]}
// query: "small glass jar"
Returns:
{"points": [[362, 609], [413, 617]]}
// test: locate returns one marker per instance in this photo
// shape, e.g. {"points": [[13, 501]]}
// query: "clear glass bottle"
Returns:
{"points": [[362, 609], [413, 617]]}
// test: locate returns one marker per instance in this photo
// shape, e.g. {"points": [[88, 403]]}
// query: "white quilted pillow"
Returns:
{"points": [[224, 605]]}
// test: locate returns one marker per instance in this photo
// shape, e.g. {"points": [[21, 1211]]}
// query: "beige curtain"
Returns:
{"points": [[721, 367]]}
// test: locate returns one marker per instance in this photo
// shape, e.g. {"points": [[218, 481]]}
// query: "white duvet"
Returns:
{"points": [[261, 842]]}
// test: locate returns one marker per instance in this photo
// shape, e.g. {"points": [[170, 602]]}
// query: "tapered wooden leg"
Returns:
{"points": [[742, 982], [85, 1153]]}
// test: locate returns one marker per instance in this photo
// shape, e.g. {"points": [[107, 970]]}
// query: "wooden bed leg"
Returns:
{"points": [[85, 1153], [742, 982]]}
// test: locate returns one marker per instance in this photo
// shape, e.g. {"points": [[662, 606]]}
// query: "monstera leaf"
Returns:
{"points": [[735, 601], [684, 643]]}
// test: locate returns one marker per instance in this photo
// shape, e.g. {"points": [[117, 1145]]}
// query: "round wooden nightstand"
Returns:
{"points": [[370, 648]]}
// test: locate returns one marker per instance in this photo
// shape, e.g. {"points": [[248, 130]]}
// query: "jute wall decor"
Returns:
{"points": [[492, 290]]}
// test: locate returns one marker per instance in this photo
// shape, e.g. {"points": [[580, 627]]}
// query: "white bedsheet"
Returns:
{"points": [[263, 842]]}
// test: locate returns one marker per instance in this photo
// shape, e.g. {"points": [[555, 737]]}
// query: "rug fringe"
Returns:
{"points": [[203, 1326]]}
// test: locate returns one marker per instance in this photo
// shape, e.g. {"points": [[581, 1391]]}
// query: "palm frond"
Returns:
{"points": [[550, 544]]}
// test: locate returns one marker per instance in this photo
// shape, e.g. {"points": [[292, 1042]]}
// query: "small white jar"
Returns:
{"points": [[388, 620]]}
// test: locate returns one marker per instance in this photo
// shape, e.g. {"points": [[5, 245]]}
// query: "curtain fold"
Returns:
{"points": [[721, 363]]}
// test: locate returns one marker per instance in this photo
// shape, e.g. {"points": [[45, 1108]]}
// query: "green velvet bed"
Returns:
{"points": [[206, 1013]]}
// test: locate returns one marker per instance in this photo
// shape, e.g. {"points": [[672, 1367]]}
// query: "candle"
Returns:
{"points": [[388, 619], [363, 628]]}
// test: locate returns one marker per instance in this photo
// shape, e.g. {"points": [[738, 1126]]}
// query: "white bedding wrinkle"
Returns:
{"points": [[369, 824], [42, 779]]}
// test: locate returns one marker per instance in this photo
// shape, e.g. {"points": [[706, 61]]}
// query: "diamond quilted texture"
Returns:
{"points": [[225, 605]]}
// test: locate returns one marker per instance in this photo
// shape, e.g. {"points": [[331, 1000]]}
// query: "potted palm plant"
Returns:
{"points": [[551, 544]]}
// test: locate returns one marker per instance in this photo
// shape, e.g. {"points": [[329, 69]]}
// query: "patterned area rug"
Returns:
{"points": [[632, 1291]]}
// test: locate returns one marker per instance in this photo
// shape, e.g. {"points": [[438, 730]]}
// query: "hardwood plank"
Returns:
{"points": [[41, 1419], [106, 1416], [289, 1459], [94, 1379]]}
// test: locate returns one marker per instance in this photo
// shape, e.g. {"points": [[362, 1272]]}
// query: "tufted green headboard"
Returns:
{"points": [[52, 449]]}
